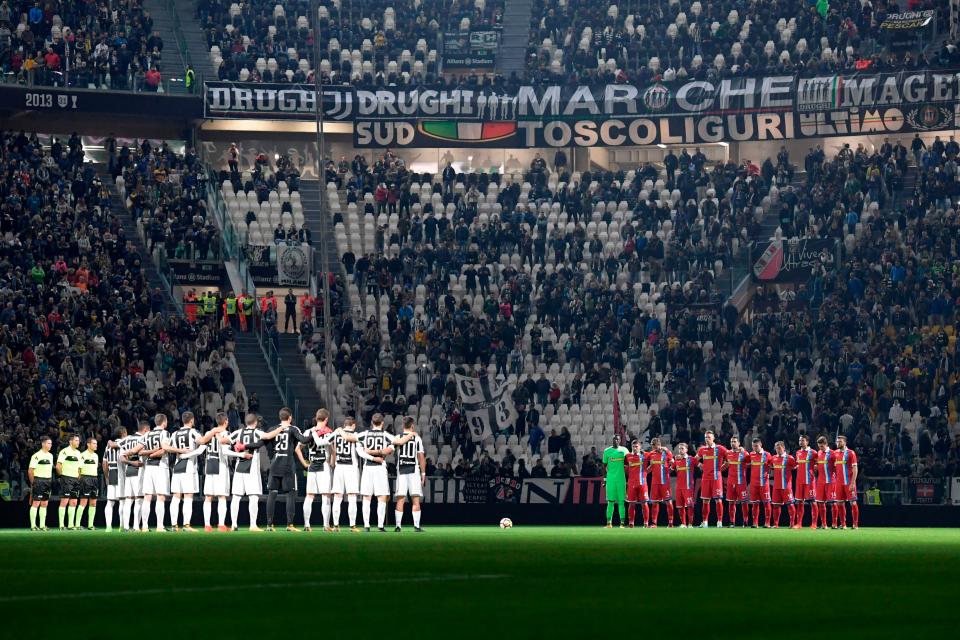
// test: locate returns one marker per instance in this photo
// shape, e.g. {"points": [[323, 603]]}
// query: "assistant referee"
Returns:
{"points": [[40, 474]]}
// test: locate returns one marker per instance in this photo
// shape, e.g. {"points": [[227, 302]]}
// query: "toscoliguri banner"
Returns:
{"points": [[682, 112]]}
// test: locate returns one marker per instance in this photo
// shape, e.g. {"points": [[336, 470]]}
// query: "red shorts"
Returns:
{"points": [[711, 489], [825, 492], [737, 492], [637, 493], [782, 496], [759, 493], [684, 498], [845, 492], [806, 492], [660, 493]]}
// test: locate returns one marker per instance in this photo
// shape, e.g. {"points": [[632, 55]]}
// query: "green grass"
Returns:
{"points": [[528, 582]]}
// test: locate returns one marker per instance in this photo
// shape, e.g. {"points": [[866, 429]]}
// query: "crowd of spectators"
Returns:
{"points": [[166, 193], [86, 345], [101, 44], [579, 41]]}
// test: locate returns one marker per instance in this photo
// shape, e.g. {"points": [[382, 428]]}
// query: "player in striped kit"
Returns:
{"points": [[131, 466], [156, 472], [319, 468], [346, 473], [684, 466], [805, 491], [113, 477], [375, 445], [246, 477], [735, 463], [186, 479], [283, 476], [216, 477], [845, 480], [825, 490], [783, 465], [658, 461], [760, 462], [710, 457], [411, 475]]}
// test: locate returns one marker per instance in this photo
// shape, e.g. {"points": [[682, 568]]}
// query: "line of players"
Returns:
{"points": [[148, 467], [825, 479]]}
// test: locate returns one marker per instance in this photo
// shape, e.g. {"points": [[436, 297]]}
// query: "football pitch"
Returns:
{"points": [[482, 582]]}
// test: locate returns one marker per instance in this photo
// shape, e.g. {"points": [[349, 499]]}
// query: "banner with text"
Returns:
{"points": [[470, 49], [487, 404], [680, 112], [293, 265], [793, 260]]}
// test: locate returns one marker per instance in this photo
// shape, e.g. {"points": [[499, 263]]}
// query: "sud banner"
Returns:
{"points": [[487, 406]]}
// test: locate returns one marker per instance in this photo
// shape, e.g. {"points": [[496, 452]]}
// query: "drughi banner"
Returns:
{"points": [[690, 112]]}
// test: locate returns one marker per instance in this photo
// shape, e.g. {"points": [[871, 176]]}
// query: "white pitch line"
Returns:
{"points": [[242, 587]]}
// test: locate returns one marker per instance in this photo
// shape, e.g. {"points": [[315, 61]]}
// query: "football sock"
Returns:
{"points": [[398, 516], [704, 511], [307, 510], [776, 516], [71, 516], [222, 510], [337, 502], [125, 508], [91, 512], [78, 516], [254, 507], [63, 515], [631, 512], [207, 512], [174, 511], [43, 517], [187, 511], [352, 510], [33, 516], [682, 514], [669, 514], [108, 513], [271, 506], [325, 509], [646, 513], [814, 513], [855, 512], [291, 506], [235, 512], [793, 512], [732, 514], [609, 512], [690, 516], [161, 509], [745, 510], [622, 511], [755, 514], [416, 518], [138, 513], [654, 513], [381, 514], [365, 509], [766, 513], [719, 511]]}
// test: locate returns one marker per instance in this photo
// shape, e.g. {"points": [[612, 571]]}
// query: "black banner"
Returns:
{"points": [[908, 20], [927, 490], [197, 273], [84, 101], [261, 267], [779, 261], [470, 49]]}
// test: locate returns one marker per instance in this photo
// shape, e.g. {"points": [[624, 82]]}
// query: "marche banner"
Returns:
{"points": [[487, 406]]}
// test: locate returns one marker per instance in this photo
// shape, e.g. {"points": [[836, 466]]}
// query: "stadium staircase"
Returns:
{"points": [[132, 233], [512, 54], [194, 41], [321, 227], [257, 378]]}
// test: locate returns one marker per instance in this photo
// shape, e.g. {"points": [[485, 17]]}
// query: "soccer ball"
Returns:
{"points": [[506, 523]]}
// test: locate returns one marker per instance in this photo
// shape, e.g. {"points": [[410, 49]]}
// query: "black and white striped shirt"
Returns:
{"points": [[408, 455], [374, 439]]}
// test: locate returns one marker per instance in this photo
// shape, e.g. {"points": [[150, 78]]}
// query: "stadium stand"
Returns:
{"points": [[95, 45], [87, 345]]}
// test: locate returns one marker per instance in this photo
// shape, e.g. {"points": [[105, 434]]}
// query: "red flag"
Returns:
{"points": [[617, 427]]}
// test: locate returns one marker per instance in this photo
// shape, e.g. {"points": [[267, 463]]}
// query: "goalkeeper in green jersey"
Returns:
{"points": [[615, 480]]}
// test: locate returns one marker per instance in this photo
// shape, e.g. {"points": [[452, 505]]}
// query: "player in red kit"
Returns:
{"points": [[636, 484], [845, 483], [658, 466], [684, 466], [760, 463], [735, 463], [805, 491], [783, 466], [710, 457], [825, 491]]}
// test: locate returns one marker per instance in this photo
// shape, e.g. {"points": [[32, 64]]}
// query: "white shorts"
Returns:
{"points": [[408, 484], [345, 479], [185, 483], [132, 486], [247, 484], [217, 484], [115, 491], [156, 481], [374, 481], [319, 482]]}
